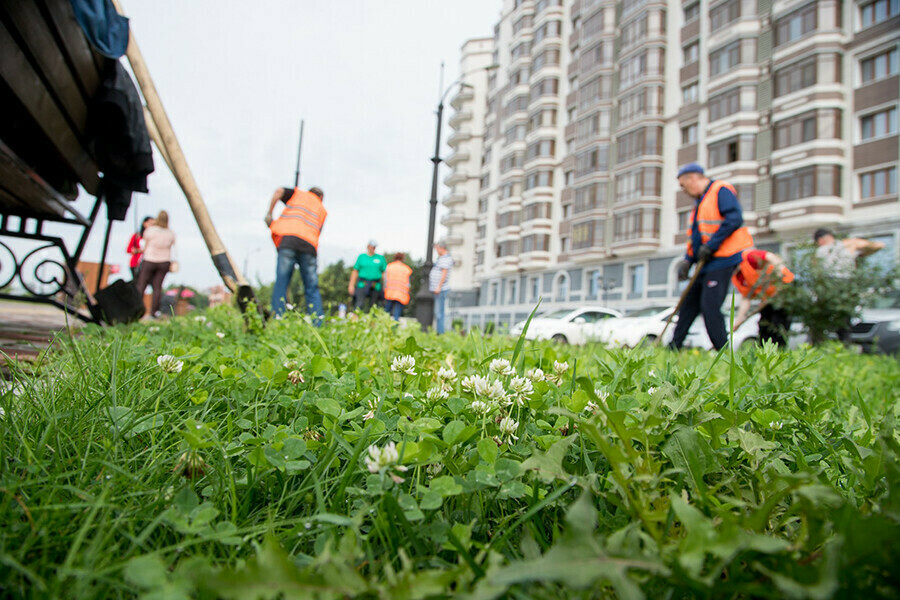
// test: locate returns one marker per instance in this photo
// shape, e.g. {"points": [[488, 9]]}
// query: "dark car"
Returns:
{"points": [[877, 329]]}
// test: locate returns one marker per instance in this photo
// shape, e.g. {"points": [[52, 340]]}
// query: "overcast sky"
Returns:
{"points": [[237, 77]]}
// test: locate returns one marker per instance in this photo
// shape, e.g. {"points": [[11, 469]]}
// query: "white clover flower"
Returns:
{"points": [[169, 363], [468, 383], [652, 373], [200, 319], [296, 376], [292, 365], [602, 394], [404, 364], [508, 427], [591, 407], [369, 415], [652, 390], [446, 374], [490, 389], [534, 374], [220, 335], [437, 393], [480, 408], [501, 366], [560, 367], [372, 403], [2, 413], [521, 386], [385, 458], [153, 329], [776, 425]]}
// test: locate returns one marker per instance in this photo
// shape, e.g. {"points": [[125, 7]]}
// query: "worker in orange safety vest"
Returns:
{"points": [[716, 238], [296, 236], [396, 286], [759, 276]]}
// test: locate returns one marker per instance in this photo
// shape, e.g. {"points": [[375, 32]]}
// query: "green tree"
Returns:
{"points": [[826, 302]]}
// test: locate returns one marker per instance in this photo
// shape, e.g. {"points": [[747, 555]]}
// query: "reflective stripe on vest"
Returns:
{"points": [[746, 282], [708, 219], [303, 216], [396, 282]]}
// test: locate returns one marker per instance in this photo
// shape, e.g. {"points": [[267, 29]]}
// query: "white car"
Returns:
{"points": [[746, 335], [566, 325], [632, 330]]}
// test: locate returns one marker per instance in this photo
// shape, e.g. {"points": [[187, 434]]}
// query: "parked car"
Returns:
{"points": [[637, 327], [878, 328], [746, 335], [566, 325]]}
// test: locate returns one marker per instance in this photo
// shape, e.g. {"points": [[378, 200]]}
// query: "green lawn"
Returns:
{"points": [[199, 458]]}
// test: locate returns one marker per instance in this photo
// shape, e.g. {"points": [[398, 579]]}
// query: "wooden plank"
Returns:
{"points": [[75, 44], [31, 92], [11, 205], [39, 40]]}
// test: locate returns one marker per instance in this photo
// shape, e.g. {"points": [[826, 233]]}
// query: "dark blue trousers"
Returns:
{"points": [[705, 297]]}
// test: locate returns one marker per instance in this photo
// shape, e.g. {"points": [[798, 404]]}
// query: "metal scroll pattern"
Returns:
{"points": [[37, 273]]}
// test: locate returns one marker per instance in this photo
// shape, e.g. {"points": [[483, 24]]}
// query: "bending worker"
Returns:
{"points": [[758, 276], [296, 235], [396, 286], [716, 239], [365, 278]]}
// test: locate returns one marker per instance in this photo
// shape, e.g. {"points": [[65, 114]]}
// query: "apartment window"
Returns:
{"points": [[486, 181], [732, 150], [725, 58], [480, 232], [874, 184], [598, 55], [593, 283], [517, 104], [592, 160], [540, 148], [590, 197], [691, 53], [634, 32], [796, 25], [535, 288], [725, 104], [538, 210], [562, 287], [633, 184], [684, 218], [631, 6], [507, 248], [879, 67], [690, 94], [689, 135], [691, 12], [510, 189], [796, 76], [797, 130], [724, 13], [516, 132], [520, 51], [544, 118], [513, 288], [479, 257], [539, 242], [823, 180], [547, 58], [550, 29], [512, 161], [632, 70], [569, 178], [593, 25], [482, 208], [521, 24], [545, 87], [542, 178], [594, 91], [878, 11], [592, 126], [507, 219], [495, 292], [879, 124], [646, 141], [636, 279], [587, 235], [543, 5]]}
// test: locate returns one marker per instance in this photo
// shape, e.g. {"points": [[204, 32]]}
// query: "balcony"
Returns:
{"points": [[534, 259], [805, 213], [459, 117], [454, 240], [454, 199], [457, 157], [453, 218], [464, 94], [456, 177], [507, 264], [459, 136]]}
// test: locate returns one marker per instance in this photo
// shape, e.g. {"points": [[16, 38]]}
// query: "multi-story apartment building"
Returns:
{"points": [[595, 104]]}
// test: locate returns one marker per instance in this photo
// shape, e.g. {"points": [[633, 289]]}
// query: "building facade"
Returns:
{"points": [[594, 105]]}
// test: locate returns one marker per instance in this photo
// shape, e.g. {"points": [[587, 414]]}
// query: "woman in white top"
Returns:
{"points": [[158, 239]]}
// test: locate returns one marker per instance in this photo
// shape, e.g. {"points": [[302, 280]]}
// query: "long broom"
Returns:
{"points": [[681, 300]]}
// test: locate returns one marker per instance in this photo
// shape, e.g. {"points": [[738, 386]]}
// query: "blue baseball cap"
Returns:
{"points": [[690, 168]]}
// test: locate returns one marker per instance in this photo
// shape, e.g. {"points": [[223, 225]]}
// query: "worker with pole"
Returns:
{"points": [[716, 239], [296, 236], [759, 275]]}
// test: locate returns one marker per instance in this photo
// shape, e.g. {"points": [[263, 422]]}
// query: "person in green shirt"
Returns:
{"points": [[365, 278]]}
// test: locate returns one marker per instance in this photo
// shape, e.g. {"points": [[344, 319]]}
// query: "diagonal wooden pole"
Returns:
{"points": [[659, 340], [161, 128]]}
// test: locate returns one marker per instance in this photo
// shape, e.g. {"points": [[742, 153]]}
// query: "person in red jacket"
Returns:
{"points": [[136, 247], [758, 277]]}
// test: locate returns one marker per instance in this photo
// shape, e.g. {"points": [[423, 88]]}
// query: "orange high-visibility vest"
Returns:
{"points": [[746, 277], [303, 216], [709, 219], [396, 282]]}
